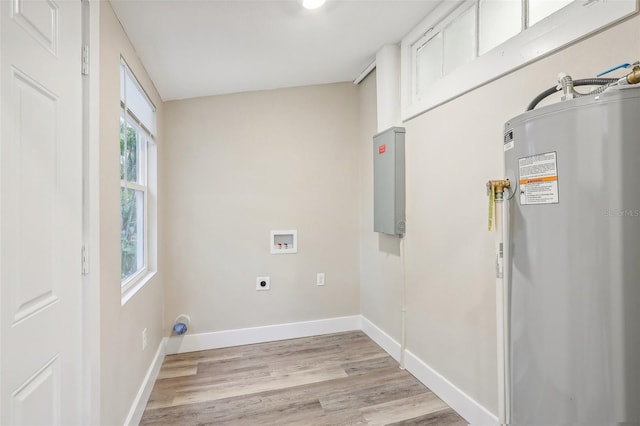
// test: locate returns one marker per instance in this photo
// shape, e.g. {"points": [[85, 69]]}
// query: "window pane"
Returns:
{"points": [[429, 63], [139, 104], [132, 154], [459, 41], [499, 21], [131, 232], [136, 99], [540, 9], [123, 147]]}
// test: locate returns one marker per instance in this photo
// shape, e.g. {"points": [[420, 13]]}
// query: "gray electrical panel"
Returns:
{"points": [[389, 182]]}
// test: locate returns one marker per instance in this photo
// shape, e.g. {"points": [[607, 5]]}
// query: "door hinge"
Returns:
{"points": [[85, 60], [85, 260]]}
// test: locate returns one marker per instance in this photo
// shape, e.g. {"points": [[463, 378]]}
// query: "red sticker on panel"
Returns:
{"points": [[382, 149]]}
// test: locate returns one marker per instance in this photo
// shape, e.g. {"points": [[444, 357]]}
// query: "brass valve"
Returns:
{"points": [[498, 186], [495, 190], [634, 76]]}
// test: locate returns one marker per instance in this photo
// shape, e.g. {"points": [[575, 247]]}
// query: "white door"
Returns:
{"points": [[40, 211]]}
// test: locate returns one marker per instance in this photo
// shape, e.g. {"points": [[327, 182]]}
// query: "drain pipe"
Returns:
{"points": [[506, 297], [181, 324], [403, 283], [498, 192]]}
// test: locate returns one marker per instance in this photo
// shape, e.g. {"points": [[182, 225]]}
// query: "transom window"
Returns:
{"points": [[464, 44]]}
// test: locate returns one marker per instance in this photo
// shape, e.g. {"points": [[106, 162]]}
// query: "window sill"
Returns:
{"points": [[136, 286]]}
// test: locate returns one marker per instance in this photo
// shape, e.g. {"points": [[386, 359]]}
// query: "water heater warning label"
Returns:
{"points": [[539, 179]]}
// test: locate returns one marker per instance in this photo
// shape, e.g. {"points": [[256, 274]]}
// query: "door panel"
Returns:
{"points": [[40, 211], [40, 19], [37, 401], [36, 147]]}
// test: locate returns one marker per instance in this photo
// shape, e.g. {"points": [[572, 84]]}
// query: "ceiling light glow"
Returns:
{"points": [[312, 4]]}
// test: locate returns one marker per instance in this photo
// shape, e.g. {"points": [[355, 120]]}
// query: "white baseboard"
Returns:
{"points": [[466, 406], [462, 403], [140, 402], [383, 340], [269, 333]]}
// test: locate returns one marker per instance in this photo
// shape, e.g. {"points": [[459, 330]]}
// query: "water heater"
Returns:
{"points": [[574, 267]]}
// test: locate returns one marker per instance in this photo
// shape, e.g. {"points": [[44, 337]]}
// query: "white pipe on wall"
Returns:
{"points": [[388, 86], [403, 338], [499, 310], [502, 304], [506, 296]]}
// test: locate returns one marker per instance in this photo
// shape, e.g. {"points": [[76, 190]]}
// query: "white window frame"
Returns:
{"points": [[146, 141], [567, 25], [143, 141]]}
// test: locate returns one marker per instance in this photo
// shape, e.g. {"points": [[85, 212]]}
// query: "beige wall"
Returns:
{"points": [[451, 152], [123, 364], [241, 165]]}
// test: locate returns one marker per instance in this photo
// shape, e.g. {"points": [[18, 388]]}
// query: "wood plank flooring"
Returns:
{"points": [[335, 379]]}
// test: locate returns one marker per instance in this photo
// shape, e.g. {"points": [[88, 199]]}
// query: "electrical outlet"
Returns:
{"points": [[263, 283], [145, 341], [320, 278]]}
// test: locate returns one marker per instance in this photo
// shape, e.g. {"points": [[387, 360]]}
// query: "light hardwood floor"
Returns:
{"points": [[335, 379]]}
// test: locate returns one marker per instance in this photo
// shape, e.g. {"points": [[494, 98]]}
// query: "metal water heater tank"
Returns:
{"points": [[574, 305]]}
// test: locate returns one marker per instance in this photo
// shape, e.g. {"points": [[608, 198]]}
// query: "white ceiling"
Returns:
{"points": [[212, 47]]}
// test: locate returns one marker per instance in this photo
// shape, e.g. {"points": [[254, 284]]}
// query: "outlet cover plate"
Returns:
{"points": [[263, 283]]}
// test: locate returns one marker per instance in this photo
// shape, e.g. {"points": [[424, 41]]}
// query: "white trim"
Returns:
{"points": [[383, 340], [365, 73], [269, 333], [455, 398], [462, 403], [133, 185], [132, 282], [91, 282], [140, 402], [142, 278]]}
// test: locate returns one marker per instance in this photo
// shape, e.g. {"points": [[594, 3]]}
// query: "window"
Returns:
{"points": [[507, 13], [137, 126], [540, 9], [464, 44]]}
